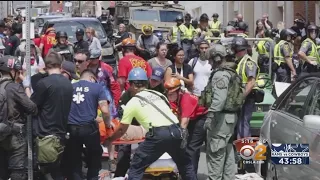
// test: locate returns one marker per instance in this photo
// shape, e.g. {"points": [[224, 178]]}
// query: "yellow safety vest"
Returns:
{"points": [[314, 55], [215, 26], [187, 33], [242, 35], [318, 49], [278, 57], [241, 68], [261, 48], [174, 34], [207, 37]]}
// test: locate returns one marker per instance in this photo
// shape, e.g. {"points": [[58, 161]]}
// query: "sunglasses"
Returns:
{"points": [[78, 61]]}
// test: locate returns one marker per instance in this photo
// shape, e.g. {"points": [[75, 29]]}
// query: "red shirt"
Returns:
{"points": [[115, 86], [129, 62], [48, 41], [188, 106], [37, 41]]}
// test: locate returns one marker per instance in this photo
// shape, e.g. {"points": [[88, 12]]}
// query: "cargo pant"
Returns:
{"points": [[14, 151], [243, 125], [220, 154], [164, 139]]}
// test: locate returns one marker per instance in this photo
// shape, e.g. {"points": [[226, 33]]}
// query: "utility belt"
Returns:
{"points": [[257, 95], [7, 129], [187, 41], [73, 128], [275, 65], [174, 130]]}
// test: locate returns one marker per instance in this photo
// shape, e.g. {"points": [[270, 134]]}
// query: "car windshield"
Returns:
{"points": [[145, 15], [41, 20], [70, 28], [169, 16]]}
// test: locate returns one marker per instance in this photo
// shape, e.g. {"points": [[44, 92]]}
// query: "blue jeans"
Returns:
{"points": [[164, 139], [243, 126]]}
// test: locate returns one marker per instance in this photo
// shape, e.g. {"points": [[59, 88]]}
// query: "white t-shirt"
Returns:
{"points": [[35, 67], [201, 74]]}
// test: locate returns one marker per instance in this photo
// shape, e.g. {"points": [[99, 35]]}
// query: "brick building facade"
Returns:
{"points": [[299, 7]]}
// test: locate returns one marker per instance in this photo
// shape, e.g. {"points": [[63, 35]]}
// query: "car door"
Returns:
{"points": [[311, 136], [285, 118]]}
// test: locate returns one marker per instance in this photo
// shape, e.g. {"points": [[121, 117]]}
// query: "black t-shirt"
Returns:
{"points": [[36, 78], [11, 45], [53, 97], [186, 68]]}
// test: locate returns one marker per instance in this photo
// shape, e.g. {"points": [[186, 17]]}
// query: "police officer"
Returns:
{"points": [[243, 27], [173, 33], [264, 48], [308, 51], [203, 32], [216, 24], [63, 47], [80, 44], [186, 37], [220, 123], [249, 71], [283, 65], [83, 128], [164, 132], [13, 144]]}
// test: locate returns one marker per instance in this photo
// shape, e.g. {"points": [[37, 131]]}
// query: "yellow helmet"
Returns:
{"points": [[147, 30]]}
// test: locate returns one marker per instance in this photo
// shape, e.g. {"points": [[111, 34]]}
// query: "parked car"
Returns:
{"points": [[70, 25], [294, 118]]}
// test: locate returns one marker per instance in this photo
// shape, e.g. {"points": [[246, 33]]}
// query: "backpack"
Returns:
{"points": [[5, 130], [235, 93], [194, 62]]}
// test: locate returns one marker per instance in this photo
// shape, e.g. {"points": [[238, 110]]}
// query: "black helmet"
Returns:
{"points": [[268, 33], [61, 34], [204, 17], [215, 15], [239, 44], [287, 32], [187, 16], [179, 18], [242, 26], [312, 27]]}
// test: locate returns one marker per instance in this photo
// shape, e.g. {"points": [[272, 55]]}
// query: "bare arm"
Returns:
{"points": [[104, 107], [249, 86]]}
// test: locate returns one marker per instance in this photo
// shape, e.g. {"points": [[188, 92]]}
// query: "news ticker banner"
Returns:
{"points": [[282, 154]]}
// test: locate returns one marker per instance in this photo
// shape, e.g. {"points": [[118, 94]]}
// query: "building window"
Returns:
{"points": [[196, 12]]}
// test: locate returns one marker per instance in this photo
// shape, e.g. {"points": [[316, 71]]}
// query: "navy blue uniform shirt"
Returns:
{"points": [[85, 102]]}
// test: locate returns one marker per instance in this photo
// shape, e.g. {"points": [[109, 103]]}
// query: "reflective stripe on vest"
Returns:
{"points": [[242, 35], [215, 25], [262, 48], [241, 68], [187, 32], [278, 57], [174, 34], [314, 56], [198, 30]]}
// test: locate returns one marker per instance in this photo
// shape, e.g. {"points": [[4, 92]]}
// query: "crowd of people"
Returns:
{"points": [[182, 92]]}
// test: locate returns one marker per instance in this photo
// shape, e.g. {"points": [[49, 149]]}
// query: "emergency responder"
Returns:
{"points": [[263, 48], [243, 27], [83, 128], [13, 144], [80, 44], [186, 37], [147, 43], [308, 51], [63, 47], [283, 65], [220, 121], [192, 116], [164, 132], [203, 32], [249, 71], [215, 26], [173, 33]]}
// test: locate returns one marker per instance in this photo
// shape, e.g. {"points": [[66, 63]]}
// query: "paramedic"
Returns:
{"points": [[152, 111], [83, 128]]}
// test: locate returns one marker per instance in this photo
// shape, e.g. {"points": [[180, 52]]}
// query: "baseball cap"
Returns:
{"points": [[157, 74], [95, 53], [70, 67], [80, 32]]}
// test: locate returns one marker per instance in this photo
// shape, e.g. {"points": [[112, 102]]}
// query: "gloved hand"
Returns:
{"points": [[26, 82], [207, 123], [185, 135]]}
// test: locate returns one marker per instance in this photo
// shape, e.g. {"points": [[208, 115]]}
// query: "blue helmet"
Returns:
{"points": [[137, 74]]}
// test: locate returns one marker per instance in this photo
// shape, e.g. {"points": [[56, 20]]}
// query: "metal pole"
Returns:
{"points": [[28, 67]]}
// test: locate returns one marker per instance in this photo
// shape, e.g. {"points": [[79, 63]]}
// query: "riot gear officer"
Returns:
{"points": [[283, 51], [63, 47], [174, 31], [263, 48], [308, 51], [242, 26]]}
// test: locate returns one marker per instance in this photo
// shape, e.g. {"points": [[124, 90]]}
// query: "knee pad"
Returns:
{"points": [[18, 175]]}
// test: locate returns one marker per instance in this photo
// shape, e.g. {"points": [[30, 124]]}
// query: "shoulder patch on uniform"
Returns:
{"points": [[250, 65], [221, 84], [286, 47]]}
